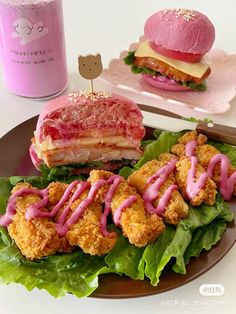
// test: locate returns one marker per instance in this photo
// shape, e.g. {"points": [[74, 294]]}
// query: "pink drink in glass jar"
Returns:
{"points": [[32, 47]]}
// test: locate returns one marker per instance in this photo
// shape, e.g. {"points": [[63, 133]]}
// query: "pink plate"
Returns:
{"points": [[221, 84]]}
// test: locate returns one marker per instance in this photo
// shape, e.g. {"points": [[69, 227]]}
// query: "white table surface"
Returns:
{"points": [[108, 27]]}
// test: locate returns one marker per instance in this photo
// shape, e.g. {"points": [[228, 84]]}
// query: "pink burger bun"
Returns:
{"points": [[162, 82], [82, 128], [180, 30]]}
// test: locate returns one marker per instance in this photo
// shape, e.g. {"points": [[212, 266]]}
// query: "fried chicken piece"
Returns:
{"points": [[87, 234], [206, 194], [177, 208], [168, 70], [56, 191], [204, 153], [38, 237], [138, 226], [179, 149]]}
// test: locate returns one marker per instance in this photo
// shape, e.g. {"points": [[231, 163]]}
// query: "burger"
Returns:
{"points": [[170, 56], [83, 131]]}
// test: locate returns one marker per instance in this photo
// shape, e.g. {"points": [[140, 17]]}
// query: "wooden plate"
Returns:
{"points": [[15, 160]]}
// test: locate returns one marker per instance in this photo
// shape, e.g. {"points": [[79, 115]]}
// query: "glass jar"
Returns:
{"points": [[32, 47]]}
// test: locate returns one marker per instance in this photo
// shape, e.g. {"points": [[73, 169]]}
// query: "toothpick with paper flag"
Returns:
{"points": [[90, 67]]}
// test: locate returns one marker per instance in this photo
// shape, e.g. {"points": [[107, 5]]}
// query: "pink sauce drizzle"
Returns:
{"points": [[107, 209], [190, 148], [82, 186], [152, 191], [165, 199], [193, 185], [33, 211], [128, 202], [226, 184], [6, 219]]}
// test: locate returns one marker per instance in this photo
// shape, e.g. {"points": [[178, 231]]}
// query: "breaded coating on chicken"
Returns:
{"points": [[193, 135], [87, 234], [176, 209], [206, 194], [137, 225], [168, 70], [56, 191], [179, 149], [204, 153], [38, 237]]}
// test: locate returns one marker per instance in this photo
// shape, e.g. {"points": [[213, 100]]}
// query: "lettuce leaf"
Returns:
{"points": [[125, 259], [153, 260], [61, 173], [200, 216], [126, 171], [129, 60], [226, 149], [75, 273], [201, 87], [162, 145], [38, 182], [204, 239]]}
